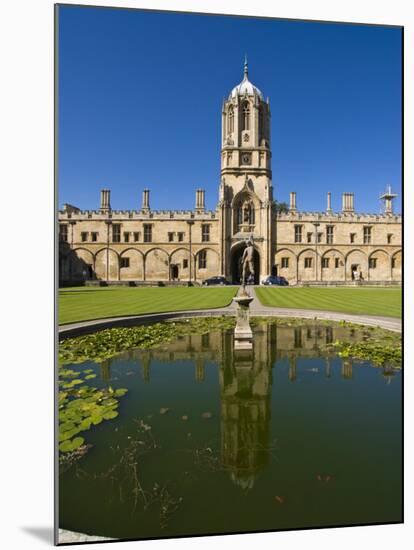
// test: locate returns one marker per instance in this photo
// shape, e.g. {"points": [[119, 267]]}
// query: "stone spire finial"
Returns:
{"points": [[246, 67], [388, 197]]}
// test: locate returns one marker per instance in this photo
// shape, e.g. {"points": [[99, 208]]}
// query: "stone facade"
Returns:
{"points": [[189, 246], [359, 246]]}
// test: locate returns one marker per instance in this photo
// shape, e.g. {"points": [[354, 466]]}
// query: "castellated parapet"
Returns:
{"points": [[346, 217], [137, 215]]}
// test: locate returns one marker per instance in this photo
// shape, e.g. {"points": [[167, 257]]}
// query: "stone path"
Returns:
{"points": [[256, 308], [72, 537]]}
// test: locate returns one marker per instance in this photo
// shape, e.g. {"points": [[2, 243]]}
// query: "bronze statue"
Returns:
{"points": [[247, 261]]}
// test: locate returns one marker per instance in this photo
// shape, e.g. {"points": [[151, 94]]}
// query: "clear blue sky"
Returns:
{"points": [[140, 96]]}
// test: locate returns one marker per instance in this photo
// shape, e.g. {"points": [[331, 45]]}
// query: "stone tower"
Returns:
{"points": [[246, 194]]}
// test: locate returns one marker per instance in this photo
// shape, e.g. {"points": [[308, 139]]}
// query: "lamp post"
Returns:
{"points": [[108, 223], [316, 225], [72, 223], [190, 224]]}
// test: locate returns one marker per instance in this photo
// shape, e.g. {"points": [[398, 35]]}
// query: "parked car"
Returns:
{"points": [[272, 280], [216, 281], [250, 280]]}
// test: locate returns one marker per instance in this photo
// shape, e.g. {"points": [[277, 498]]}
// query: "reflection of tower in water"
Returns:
{"points": [[199, 369], [387, 373], [346, 370], [146, 367], [292, 368], [106, 370], [328, 367], [245, 382]]}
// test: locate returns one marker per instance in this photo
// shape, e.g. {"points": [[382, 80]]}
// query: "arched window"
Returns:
{"points": [[249, 213], [246, 116], [231, 120], [202, 259], [240, 215]]}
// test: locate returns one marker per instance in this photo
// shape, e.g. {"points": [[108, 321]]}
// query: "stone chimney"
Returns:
{"points": [[292, 205], [347, 202], [105, 200], [200, 200], [146, 200], [328, 203]]}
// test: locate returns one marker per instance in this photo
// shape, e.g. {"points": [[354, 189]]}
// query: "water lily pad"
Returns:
{"points": [[91, 399], [96, 419], [90, 376], [75, 403], [96, 410], [71, 445], [70, 416], [109, 402], [85, 424], [110, 414], [72, 384], [66, 426], [63, 436], [67, 373]]}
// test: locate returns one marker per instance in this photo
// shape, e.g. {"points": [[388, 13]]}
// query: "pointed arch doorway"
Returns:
{"points": [[236, 264]]}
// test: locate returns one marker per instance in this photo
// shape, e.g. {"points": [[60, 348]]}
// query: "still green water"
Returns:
{"points": [[209, 440]]}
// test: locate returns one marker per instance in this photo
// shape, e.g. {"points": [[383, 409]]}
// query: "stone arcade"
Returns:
{"points": [[190, 246]]}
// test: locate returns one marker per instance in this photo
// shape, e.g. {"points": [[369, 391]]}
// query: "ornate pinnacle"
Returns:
{"points": [[246, 68]]}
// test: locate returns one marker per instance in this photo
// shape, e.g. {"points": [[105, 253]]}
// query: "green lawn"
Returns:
{"points": [[369, 301], [84, 303]]}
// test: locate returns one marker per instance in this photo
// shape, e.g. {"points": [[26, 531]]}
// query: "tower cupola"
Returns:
{"points": [[245, 87]]}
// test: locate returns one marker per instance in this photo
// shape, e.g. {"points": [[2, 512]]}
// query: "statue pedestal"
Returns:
{"points": [[243, 336]]}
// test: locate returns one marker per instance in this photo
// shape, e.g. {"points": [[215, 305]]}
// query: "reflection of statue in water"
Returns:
{"points": [[247, 261], [106, 370], [245, 384]]}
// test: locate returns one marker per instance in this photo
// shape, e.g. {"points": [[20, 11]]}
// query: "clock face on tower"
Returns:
{"points": [[246, 158]]}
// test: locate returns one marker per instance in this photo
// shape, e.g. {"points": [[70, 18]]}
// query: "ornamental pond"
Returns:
{"points": [[189, 437]]}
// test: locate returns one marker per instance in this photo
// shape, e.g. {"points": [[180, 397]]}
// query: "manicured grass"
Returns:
{"points": [[368, 301], [85, 303]]}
